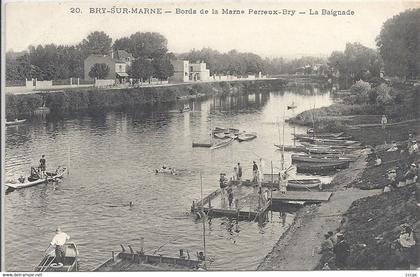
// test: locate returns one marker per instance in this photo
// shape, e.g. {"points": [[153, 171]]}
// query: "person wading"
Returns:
{"points": [[239, 172], [58, 241], [43, 164]]}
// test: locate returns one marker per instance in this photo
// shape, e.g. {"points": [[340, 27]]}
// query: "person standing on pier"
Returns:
{"points": [[254, 171], [262, 167], [239, 172], [230, 197], [58, 241]]}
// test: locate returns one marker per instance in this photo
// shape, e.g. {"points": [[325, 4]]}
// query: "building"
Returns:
{"points": [[181, 71], [199, 72], [117, 68], [184, 71], [123, 56]]}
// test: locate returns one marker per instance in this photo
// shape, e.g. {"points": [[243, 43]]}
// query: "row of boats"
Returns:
{"points": [[322, 153]]}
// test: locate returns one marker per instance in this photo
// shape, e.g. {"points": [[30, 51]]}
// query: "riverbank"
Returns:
{"points": [[82, 99], [298, 249], [370, 220]]}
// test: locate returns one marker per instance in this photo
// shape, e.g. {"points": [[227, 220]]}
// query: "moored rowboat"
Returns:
{"points": [[303, 183], [247, 136], [319, 159], [223, 143], [320, 167]]}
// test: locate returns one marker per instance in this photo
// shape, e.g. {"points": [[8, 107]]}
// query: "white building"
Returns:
{"points": [[199, 72]]}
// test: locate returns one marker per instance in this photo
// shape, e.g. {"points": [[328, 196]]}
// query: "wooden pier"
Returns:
{"points": [[304, 196], [138, 261], [247, 204]]}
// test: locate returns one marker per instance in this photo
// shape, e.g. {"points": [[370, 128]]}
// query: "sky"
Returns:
{"points": [[33, 23]]}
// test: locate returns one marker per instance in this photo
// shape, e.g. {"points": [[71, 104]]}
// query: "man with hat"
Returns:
{"points": [[58, 241], [341, 251]]}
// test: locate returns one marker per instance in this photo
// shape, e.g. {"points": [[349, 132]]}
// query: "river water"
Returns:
{"points": [[112, 156]]}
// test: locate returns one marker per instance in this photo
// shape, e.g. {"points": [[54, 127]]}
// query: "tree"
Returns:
{"points": [[99, 70], [162, 67], [148, 45], [399, 44], [142, 69], [357, 62], [96, 43], [122, 44]]}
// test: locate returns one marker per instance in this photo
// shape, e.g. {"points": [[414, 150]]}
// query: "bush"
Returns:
{"points": [[359, 93], [383, 92]]}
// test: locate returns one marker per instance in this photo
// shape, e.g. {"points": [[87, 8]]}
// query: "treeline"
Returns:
{"points": [[52, 62], [238, 63], [398, 52]]}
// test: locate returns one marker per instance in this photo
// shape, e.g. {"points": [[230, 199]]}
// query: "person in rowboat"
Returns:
{"points": [[58, 242]]}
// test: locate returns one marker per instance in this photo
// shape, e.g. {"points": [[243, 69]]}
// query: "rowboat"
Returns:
{"points": [[310, 138], [29, 182], [324, 135], [333, 142], [320, 167], [15, 122], [303, 183], [221, 135], [293, 148], [319, 159], [225, 130], [338, 148], [70, 260], [223, 143], [246, 136]]}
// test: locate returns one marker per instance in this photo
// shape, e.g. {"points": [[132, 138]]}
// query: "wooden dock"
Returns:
{"points": [[247, 204], [138, 261], [305, 196]]}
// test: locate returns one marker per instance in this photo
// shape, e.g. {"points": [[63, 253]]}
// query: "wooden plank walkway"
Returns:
{"points": [[311, 197]]}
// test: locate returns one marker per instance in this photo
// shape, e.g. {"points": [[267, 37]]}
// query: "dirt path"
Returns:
{"points": [[297, 249]]}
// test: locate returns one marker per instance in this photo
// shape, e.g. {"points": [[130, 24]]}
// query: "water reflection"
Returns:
{"points": [[113, 155]]}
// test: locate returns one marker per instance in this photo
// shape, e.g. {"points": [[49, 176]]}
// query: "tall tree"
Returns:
{"points": [[399, 44], [163, 68], [142, 69], [122, 44], [96, 43], [148, 45], [99, 70]]}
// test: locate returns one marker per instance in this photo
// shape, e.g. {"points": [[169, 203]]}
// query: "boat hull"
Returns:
{"points": [[50, 178], [70, 261], [223, 143]]}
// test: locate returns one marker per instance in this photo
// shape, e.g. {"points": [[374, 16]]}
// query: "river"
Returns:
{"points": [[112, 156]]}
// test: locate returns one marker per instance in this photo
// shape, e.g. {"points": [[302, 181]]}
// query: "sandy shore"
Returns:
{"points": [[298, 248]]}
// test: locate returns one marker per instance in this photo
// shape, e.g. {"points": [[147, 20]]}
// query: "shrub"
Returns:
{"points": [[359, 92], [383, 93]]}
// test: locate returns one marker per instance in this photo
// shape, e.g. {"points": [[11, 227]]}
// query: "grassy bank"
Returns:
{"points": [[404, 105], [371, 224], [74, 100]]}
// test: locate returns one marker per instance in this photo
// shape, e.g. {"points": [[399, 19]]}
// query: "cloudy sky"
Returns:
{"points": [[33, 23]]}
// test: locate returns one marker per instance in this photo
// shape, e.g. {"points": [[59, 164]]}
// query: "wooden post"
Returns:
{"points": [[113, 256]]}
